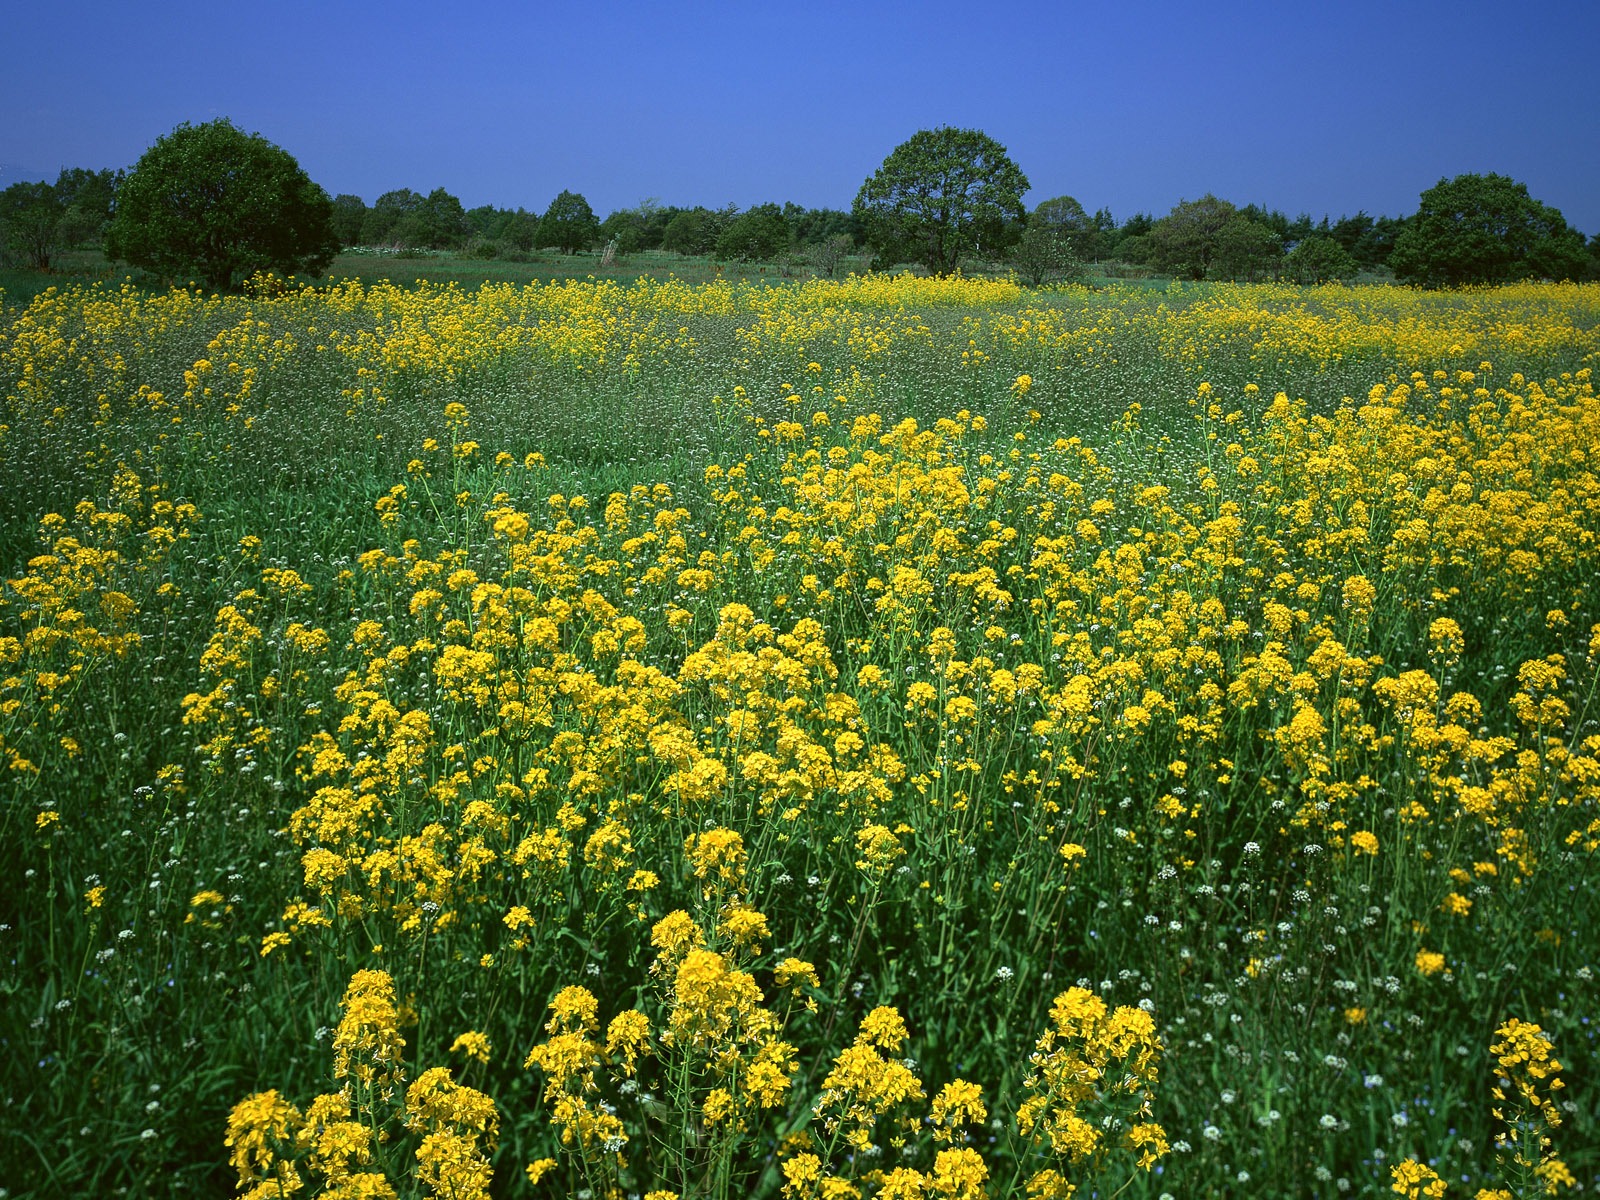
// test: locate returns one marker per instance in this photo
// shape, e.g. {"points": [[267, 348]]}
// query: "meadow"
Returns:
{"points": [[886, 738]]}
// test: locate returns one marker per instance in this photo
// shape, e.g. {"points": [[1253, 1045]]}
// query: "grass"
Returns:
{"points": [[398, 664]]}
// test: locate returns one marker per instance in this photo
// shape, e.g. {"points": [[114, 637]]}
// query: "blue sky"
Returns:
{"points": [[1319, 107]]}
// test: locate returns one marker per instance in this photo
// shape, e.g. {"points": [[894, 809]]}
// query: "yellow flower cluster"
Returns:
{"points": [[347, 1143], [1092, 1075]]}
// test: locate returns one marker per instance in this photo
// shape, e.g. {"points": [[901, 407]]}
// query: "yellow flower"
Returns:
{"points": [[1429, 962], [273, 941], [958, 1103], [627, 1037], [539, 1168], [1414, 1180], [473, 1044]]}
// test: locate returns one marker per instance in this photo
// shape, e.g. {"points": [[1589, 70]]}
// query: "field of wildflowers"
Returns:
{"points": [[888, 738]]}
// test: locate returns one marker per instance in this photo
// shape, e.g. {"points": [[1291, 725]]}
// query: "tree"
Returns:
{"points": [[759, 234], [696, 230], [520, 229], [1042, 255], [637, 228], [568, 224], [30, 223], [1184, 242], [1051, 245], [214, 202], [379, 226], [1073, 227], [1320, 259], [1485, 229], [436, 221], [1245, 249], [88, 198], [349, 212], [941, 197], [827, 257]]}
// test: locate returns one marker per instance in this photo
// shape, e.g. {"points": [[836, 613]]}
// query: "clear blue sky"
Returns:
{"points": [[1330, 107]]}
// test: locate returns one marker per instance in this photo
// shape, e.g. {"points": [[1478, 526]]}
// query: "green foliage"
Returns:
{"points": [[217, 204], [825, 258], [1044, 254], [568, 224], [695, 230], [1477, 229], [438, 222], [349, 212], [30, 223], [1083, 235], [88, 197], [820, 226], [1245, 249], [943, 196], [758, 234], [1211, 238], [1320, 259], [381, 220]]}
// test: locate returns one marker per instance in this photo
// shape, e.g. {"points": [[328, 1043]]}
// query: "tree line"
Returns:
{"points": [[212, 202], [405, 219]]}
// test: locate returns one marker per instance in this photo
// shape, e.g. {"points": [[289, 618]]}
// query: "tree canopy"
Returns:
{"points": [[30, 223], [568, 224], [216, 203], [942, 197], [1211, 238], [759, 233], [1485, 229]]}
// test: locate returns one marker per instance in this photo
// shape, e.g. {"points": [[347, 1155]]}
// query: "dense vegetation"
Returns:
{"points": [[946, 199], [890, 737]]}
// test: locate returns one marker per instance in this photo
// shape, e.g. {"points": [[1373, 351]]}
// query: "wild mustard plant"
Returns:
{"points": [[706, 674]]}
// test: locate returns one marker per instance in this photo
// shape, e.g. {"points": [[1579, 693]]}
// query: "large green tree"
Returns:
{"points": [[1210, 237], [568, 224], [943, 196], [1485, 229], [218, 204]]}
